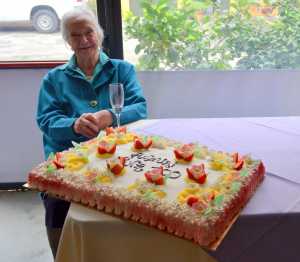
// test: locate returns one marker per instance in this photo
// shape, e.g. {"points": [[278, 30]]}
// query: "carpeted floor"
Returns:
{"points": [[22, 232]]}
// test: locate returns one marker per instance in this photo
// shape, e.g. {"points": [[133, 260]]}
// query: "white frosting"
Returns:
{"points": [[137, 165]]}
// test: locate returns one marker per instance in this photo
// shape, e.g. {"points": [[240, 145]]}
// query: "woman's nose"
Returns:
{"points": [[83, 39]]}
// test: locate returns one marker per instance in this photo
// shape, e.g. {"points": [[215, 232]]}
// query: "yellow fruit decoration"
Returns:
{"points": [[75, 162], [184, 194], [159, 193], [104, 179]]}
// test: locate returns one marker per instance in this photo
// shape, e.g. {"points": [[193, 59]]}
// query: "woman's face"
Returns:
{"points": [[83, 38]]}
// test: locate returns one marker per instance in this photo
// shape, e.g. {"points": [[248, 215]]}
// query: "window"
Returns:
{"points": [[212, 34], [163, 34], [29, 29]]}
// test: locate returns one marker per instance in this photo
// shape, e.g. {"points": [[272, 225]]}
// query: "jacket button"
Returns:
{"points": [[93, 103]]}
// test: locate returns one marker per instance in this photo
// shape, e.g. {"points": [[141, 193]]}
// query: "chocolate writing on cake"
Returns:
{"points": [[137, 161]]}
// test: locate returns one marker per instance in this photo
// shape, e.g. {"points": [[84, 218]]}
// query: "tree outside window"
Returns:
{"points": [[218, 35]]}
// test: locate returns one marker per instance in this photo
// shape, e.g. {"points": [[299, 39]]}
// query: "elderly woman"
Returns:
{"points": [[74, 103]]}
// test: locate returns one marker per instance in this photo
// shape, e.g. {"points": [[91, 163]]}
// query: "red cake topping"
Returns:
{"points": [[105, 147], [191, 200], [155, 176], [111, 130], [196, 202], [142, 143], [185, 153], [197, 173], [57, 161], [238, 161], [116, 166]]}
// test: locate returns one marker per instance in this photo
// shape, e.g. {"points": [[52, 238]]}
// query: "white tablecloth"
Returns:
{"points": [[267, 229], [90, 236]]}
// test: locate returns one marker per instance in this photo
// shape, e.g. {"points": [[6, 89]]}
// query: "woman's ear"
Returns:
{"points": [[69, 44]]}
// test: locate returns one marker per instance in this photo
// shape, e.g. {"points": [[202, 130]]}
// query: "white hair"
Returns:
{"points": [[84, 14]]}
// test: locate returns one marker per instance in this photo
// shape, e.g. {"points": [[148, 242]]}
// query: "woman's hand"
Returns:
{"points": [[104, 119], [87, 125]]}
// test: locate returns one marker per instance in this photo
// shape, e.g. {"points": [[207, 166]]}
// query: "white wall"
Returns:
{"points": [[169, 95], [222, 94], [20, 139]]}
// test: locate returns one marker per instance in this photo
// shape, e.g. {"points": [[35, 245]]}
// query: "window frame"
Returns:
{"points": [[30, 64], [109, 17]]}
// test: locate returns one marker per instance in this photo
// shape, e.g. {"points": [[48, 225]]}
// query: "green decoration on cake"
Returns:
{"points": [[200, 152], [51, 156], [208, 212], [101, 134], [149, 195], [155, 138], [50, 169], [235, 187], [218, 201], [244, 173], [76, 145]]}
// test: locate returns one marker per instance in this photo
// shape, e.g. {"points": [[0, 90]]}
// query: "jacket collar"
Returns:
{"points": [[105, 73]]}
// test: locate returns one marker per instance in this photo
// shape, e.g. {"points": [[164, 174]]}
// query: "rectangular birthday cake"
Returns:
{"points": [[184, 189]]}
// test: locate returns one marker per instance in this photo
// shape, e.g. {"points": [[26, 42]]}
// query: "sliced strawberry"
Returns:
{"points": [[197, 173], [101, 150], [212, 195], [160, 181], [190, 175], [138, 144], [235, 157], [238, 161], [142, 143], [155, 176], [109, 130], [122, 160], [112, 149], [148, 176], [121, 129], [202, 179], [188, 158], [191, 200], [177, 154], [239, 165], [57, 161], [106, 148], [58, 156], [186, 153], [117, 169], [148, 144], [58, 165], [116, 166]]}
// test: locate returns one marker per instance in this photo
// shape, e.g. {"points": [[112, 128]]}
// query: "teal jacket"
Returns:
{"points": [[65, 94]]}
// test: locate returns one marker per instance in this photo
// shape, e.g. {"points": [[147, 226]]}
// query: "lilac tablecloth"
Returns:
{"points": [[269, 226], [274, 140], [267, 229]]}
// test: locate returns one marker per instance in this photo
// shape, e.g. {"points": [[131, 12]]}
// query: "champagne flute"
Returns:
{"points": [[116, 97]]}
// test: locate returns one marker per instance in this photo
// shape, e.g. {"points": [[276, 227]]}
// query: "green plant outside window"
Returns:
{"points": [[217, 35]]}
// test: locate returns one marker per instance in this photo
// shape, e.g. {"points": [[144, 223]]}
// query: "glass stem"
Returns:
{"points": [[118, 115]]}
